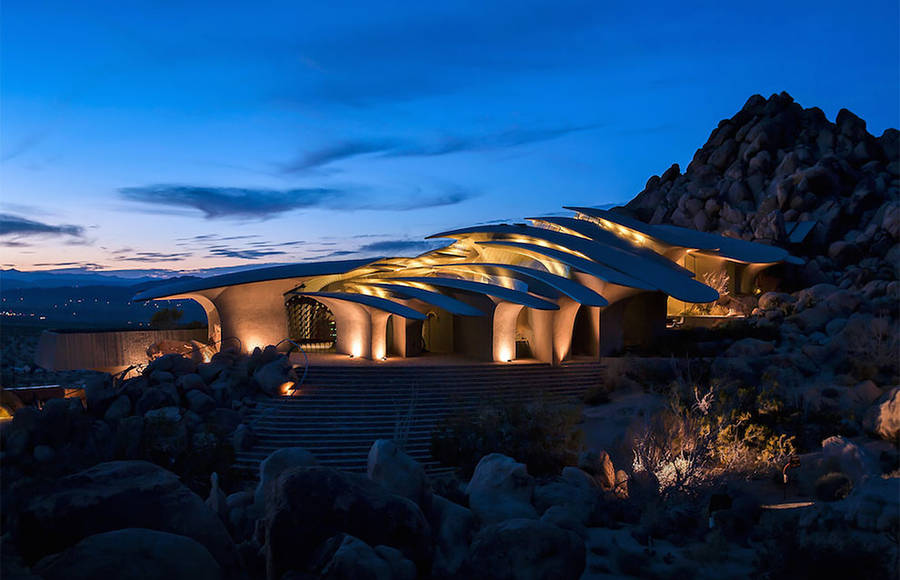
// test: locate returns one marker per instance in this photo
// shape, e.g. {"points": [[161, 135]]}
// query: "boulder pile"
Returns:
{"points": [[179, 414], [775, 163], [391, 524]]}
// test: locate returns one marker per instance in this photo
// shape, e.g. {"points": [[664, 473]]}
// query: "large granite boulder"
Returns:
{"points": [[883, 418], [270, 377], [874, 505], [575, 491], [344, 557], [134, 553], [308, 505], [525, 549], [452, 526], [117, 495], [500, 489], [399, 473], [841, 455], [274, 465], [600, 466]]}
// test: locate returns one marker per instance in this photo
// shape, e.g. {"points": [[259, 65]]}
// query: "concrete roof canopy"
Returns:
{"points": [[300, 270], [451, 305], [578, 292], [501, 292], [367, 300]]}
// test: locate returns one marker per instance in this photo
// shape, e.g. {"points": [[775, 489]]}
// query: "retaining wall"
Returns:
{"points": [[104, 351]]}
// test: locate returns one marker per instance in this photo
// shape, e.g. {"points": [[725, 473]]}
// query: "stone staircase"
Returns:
{"points": [[340, 411]]}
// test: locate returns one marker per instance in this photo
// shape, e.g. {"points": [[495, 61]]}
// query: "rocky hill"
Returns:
{"points": [[775, 163]]}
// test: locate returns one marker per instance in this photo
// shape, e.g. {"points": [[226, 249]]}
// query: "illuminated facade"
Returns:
{"points": [[562, 287]]}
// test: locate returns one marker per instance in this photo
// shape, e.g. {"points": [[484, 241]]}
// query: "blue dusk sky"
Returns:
{"points": [[188, 136]]}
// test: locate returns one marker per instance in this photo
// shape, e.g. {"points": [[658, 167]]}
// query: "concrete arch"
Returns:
{"points": [[353, 324], [213, 320], [504, 331]]}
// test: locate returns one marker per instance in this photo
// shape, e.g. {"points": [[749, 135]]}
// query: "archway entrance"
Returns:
{"points": [[311, 324], [524, 335], [437, 332], [585, 332]]}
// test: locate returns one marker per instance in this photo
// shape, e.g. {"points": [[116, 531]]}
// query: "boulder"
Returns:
{"points": [[119, 409], [883, 418], [399, 473], [190, 382], [222, 422], [565, 518], [134, 553], [401, 568], [749, 347], [277, 463], [344, 557], [452, 526], [500, 489], [99, 393], [874, 505], [574, 490], [841, 455], [117, 495], [271, 376], [599, 465], [526, 549], [199, 402], [776, 300], [165, 435], [154, 398], [308, 505], [243, 438], [128, 437], [211, 370]]}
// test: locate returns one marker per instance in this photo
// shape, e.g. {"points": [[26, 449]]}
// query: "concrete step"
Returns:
{"points": [[340, 411]]}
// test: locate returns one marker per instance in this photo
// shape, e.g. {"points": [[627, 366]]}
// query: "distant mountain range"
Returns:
{"points": [[78, 298], [79, 277]]}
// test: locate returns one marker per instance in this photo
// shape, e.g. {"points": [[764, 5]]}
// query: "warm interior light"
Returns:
{"points": [[287, 387]]}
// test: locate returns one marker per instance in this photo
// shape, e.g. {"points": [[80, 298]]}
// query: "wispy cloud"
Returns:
{"points": [[446, 145], [18, 226], [246, 254], [251, 203], [231, 202], [152, 256], [391, 248], [337, 152]]}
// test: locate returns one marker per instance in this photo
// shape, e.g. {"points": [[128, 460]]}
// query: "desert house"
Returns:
{"points": [[560, 288]]}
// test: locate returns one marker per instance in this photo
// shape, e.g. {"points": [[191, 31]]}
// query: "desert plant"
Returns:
{"points": [[542, 435]]}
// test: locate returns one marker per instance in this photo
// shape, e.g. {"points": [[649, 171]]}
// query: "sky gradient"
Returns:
{"points": [[157, 136]]}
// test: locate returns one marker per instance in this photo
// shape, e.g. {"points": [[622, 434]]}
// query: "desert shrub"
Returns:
{"points": [[736, 429], [544, 436], [833, 486]]}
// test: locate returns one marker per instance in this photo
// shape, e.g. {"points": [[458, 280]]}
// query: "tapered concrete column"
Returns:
{"points": [[563, 327], [542, 327], [254, 313], [398, 346], [353, 325], [504, 331], [378, 328], [612, 336]]}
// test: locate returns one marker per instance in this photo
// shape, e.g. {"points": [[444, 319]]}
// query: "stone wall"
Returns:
{"points": [[104, 351]]}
